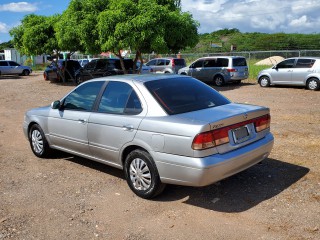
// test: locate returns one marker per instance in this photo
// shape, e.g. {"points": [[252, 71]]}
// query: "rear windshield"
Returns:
{"points": [[180, 95], [239, 62], [179, 62]]}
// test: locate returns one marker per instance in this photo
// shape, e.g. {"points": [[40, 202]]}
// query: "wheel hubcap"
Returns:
{"points": [[313, 84], [264, 82], [140, 175], [37, 141], [218, 81]]}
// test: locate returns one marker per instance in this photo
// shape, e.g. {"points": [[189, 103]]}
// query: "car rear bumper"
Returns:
{"points": [[189, 171]]}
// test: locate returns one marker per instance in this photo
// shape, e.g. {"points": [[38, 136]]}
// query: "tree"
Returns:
{"points": [[145, 26], [35, 35]]}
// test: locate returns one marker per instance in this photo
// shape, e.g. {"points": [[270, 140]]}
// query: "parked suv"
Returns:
{"points": [[70, 69], [166, 65], [11, 68], [103, 67], [220, 70], [299, 71]]}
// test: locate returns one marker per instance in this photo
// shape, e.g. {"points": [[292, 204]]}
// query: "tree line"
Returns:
{"points": [[223, 41], [95, 26]]}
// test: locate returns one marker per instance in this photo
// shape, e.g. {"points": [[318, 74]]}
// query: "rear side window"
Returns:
{"points": [[119, 98], [3, 63], [305, 63], [180, 95], [239, 62], [222, 62]]}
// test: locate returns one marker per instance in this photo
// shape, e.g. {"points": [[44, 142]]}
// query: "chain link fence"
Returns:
{"points": [[252, 55]]}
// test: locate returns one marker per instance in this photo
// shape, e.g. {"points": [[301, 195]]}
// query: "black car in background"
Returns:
{"points": [[69, 67], [103, 67]]}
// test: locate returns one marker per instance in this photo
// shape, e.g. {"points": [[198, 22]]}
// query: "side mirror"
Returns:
{"points": [[56, 104]]}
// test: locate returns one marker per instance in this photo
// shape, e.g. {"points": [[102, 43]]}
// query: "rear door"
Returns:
{"points": [[115, 122], [4, 67], [301, 70]]}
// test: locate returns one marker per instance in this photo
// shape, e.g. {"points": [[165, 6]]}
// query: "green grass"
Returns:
{"points": [[254, 70]]}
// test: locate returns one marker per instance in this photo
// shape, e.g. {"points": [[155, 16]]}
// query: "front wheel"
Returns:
{"points": [[264, 81], [38, 142], [25, 72], [142, 174], [218, 81], [313, 84]]}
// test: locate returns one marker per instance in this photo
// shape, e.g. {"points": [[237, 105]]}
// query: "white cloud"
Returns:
{"points": [[255, 15], [4, 28], [19, 7]]}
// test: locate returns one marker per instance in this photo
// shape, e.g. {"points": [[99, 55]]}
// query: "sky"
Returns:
{"points": [[266, 16]]}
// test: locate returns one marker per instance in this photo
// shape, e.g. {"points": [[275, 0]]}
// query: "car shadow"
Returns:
{"points": [[230, 86], [10, 77], [237, 193], [242, 191]]}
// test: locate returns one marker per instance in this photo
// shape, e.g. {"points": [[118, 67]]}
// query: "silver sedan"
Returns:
{"points": [[160, 129]]}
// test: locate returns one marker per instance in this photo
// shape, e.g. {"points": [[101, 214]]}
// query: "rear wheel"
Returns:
{"points": [[218, 80], [38, 142], [264, 81], [313, 84], [142, 174]]}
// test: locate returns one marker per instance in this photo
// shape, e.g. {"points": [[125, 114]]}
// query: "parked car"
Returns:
{"points": [[8, 67], [144, 69], [219, 70], [159, 128], [166, 65], [298, 71], [69, 67], [85, 61], [103, 67]]}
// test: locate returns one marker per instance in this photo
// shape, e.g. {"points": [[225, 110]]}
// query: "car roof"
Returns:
{"points": [[140, 77]]}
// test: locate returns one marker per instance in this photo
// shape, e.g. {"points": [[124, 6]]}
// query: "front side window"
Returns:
{"points": [[3, 63], [119, 98], [198, 64], [304, 63], [180, 95], [286, 63], [83, 97], [152, 62], [14, 64]]}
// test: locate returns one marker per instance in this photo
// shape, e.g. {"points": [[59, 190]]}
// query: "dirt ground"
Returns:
{"points": [[73, 198]]}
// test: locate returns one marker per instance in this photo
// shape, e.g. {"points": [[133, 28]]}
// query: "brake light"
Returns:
{"points": [[220, 136], [232, 70], [172, 62], [262, 123]]}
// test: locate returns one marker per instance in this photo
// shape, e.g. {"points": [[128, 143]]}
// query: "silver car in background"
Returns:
{"points": [[160, 129], [219, 69], [8, 67], [299, 71]]}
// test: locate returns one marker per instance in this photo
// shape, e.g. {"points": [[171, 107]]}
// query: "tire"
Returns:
{"points": [[25, 72], [45, 76], [142, 175], [38, 142], [264, 81], [313, 84], [218, 81]]}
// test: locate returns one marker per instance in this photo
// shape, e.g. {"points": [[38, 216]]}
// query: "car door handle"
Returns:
{"points": [[83, 121], [127, 127]]}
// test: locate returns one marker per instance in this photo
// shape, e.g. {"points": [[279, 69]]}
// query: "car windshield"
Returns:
{"points": [[180, 95]]}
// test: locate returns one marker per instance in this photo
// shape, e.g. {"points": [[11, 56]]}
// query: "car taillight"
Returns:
{"points": [[232, 70], [172, 62], [262, 123], [220, 136]]}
